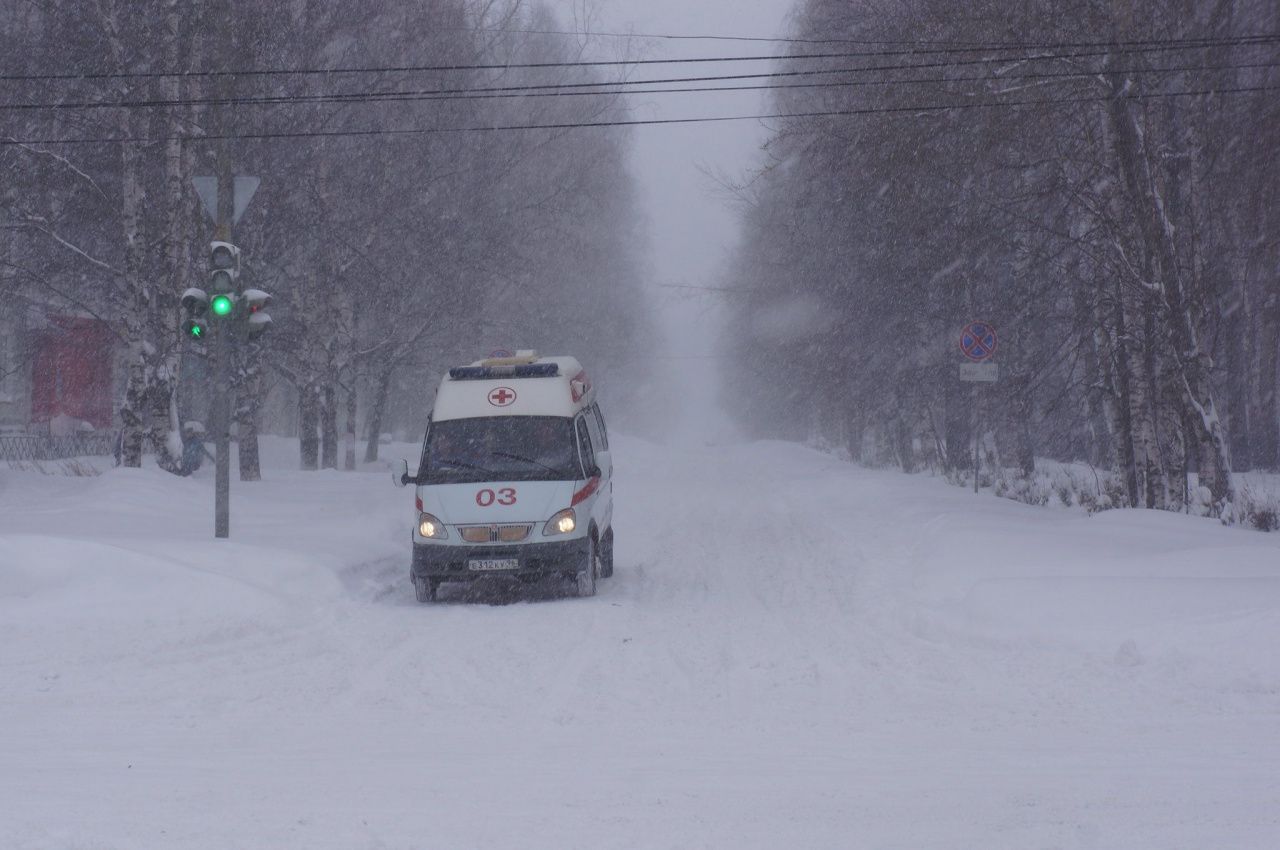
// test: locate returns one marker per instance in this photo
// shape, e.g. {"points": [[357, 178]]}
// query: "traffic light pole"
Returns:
{"points": [[222, 361]]}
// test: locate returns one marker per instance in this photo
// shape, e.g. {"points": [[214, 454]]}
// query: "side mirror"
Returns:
{"points": [[604, 462], [401, 476]]}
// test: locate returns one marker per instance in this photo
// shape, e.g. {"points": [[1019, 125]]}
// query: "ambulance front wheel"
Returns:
{"points": [[606, 555], [590, 570]]}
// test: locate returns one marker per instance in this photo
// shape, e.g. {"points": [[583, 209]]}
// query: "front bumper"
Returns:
{"points": [[442, 561]]}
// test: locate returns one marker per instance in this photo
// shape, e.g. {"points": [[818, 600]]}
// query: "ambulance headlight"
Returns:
{"points": [[431, 528], [562, 523]]}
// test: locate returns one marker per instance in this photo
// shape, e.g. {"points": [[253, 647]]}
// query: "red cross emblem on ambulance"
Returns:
{"points": [[502, 396]]}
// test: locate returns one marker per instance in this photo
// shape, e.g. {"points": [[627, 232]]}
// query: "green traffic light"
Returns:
{"points": [[221, 305], [197, 331]]}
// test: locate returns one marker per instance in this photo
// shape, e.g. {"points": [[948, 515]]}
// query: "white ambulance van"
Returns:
{"points": [[515, 477]]}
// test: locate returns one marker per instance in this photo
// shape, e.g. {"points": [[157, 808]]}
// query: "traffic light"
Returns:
{"points": [[224, 264], [227, 301], [224, 256], [223, 304], [256, 302], [195, 303]]}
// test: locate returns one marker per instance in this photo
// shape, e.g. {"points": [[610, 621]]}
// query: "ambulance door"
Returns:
{"points": [[602, 510]]}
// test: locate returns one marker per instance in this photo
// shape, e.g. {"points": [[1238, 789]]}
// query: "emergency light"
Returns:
{"points": [[525, 370]]}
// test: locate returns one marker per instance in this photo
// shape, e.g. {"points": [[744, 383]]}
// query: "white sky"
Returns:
{"points": [[692, 228], [691, 225]]}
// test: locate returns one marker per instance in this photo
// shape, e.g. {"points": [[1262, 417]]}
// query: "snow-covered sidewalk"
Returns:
{"points": [[795, 652]]}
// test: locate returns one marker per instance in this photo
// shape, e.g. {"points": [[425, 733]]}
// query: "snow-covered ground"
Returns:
{"points": [[795, 652]]}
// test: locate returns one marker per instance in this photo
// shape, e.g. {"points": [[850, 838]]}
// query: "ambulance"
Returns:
{"points": [[515, 477]]}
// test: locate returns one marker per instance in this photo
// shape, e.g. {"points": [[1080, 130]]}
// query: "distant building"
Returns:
{"points": [[60, 370]]}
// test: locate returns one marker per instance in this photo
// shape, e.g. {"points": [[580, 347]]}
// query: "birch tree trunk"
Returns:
{"points": [[131, 409], [1122, 366], [1151, 210], [308, 422], [1267, 450], [132, 412], [1100, 403], [247, 437], [151, 326], [163, 430], [373, 427], [248, 411], [329, 427], [958, 427], [1156, 472], [1240, 354], [349, 441]]}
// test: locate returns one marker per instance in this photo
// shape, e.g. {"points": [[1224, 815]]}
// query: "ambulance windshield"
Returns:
{"points": [[500, 448]]}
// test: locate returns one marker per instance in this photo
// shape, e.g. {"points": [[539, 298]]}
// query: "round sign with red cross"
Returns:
{"points": [[502, 396], [978, 341]]}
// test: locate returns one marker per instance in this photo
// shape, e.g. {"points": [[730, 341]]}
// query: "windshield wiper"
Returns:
{"points": [[453, 461], [550, 469]]}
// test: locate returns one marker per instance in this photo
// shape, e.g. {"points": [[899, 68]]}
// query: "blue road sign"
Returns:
{"points": [[978, 341]]}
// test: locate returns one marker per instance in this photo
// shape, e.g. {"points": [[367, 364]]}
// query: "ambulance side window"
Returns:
{"points": [[585, 452], [603, 432], [422, 461], [593, 428]]}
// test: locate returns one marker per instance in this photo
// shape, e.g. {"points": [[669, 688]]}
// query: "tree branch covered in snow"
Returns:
{"points": [[388, 257], [1118, 242]]}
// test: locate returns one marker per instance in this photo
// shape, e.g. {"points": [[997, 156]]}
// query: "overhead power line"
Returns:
{"points": [[1119, 47], [1061, 75], [549, 91], [571, 125], [620, 86], [738, 38], [976, 45]]}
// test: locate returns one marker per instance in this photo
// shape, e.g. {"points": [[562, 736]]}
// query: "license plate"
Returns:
{"points": [[487, 564]]}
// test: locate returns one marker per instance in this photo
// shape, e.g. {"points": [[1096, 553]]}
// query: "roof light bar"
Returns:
{"points": [[526, 370]]}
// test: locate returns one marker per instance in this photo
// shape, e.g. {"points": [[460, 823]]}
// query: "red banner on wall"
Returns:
{"points": [[71, 371]]}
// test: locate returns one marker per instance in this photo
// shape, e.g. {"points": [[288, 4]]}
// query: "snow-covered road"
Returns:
{"points": [[794, 652]]}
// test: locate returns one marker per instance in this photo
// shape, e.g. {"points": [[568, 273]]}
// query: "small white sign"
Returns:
{"points": [[207, 189], [243, 190], [979, 373]]}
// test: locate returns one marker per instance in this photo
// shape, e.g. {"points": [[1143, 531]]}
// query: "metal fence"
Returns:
{"points": [[18, 447]]}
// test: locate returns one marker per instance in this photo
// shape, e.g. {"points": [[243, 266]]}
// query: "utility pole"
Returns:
{"points": [[236, 315], [977, 437], [978, 342], [222, 359]]}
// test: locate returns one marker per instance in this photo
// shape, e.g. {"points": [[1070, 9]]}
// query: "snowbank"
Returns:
{"points": [[795, 652]]}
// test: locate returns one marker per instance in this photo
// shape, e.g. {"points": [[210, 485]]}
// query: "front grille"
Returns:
{"points": [[494, 533]]}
